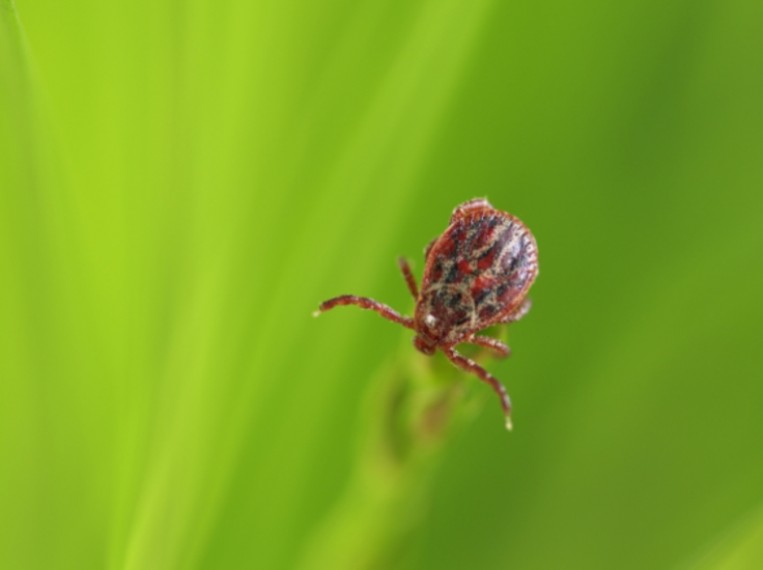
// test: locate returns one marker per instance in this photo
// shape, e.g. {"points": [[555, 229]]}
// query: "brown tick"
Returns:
{"points": [[477, 275]]}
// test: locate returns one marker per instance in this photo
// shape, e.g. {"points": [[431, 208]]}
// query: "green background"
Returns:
{"points": [[181, 183]]}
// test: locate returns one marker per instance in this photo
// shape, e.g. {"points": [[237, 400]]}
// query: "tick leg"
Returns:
{"points": [[470, 366], [365, 303], [409, 278], [500, 349], [517, 313]]}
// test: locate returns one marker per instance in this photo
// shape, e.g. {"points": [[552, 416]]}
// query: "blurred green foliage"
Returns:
{"points": [[181, 183]]}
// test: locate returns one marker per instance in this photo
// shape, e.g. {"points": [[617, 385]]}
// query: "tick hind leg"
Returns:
{"points": [[365, 303], [470, 366], [410, 280], [500, 349]]}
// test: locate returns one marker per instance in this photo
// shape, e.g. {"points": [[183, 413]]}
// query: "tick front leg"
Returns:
{"points": [[500, 349], [410, 280], [365, 303], [470, 366]]}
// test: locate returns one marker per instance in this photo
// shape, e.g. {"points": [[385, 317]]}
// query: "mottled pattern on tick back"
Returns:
{"points": [[477, 272]]}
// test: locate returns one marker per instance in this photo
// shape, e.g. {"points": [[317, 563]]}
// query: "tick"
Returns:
{"points": [[476, 275]]}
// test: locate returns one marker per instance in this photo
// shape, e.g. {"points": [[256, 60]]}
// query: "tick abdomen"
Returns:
{"points": [[488, 259]]}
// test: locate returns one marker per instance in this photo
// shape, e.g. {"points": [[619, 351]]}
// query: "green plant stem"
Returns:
{"points": [[420, 403]]}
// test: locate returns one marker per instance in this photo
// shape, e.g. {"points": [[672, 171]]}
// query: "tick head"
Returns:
{"points": [[444, 315], [429, 333], [431, 329], [424, 344]]}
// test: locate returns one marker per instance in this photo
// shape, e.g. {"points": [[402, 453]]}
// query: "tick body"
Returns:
{"points": [[477, 275]]}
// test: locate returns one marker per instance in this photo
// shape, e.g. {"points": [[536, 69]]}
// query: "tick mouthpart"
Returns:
{"points": [[425, 345]]}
